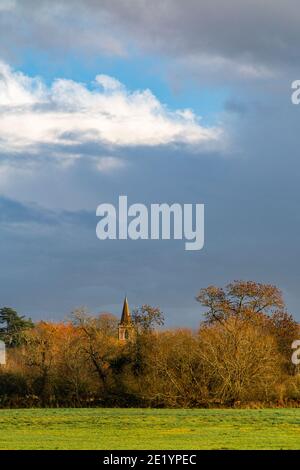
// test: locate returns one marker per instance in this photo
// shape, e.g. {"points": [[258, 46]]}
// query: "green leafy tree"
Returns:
{"points": [[12, 326]]}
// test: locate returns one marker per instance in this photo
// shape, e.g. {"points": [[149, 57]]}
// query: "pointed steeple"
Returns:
{"points": [[126, 327], [126, 317]]}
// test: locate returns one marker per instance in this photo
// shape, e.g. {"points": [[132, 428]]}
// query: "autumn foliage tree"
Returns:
{"points": [[240, 355], [147, 318], [241, 361], [99, 345], [42, 354], [240, 299]]}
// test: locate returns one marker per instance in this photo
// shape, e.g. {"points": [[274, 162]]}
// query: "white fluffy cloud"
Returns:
{"points": [[70, 113]]}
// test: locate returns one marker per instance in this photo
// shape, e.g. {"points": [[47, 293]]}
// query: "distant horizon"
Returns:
{"points": [[191, 318]]}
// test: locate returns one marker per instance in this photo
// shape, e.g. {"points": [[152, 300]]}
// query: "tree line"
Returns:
{"points": [[239, 356]]}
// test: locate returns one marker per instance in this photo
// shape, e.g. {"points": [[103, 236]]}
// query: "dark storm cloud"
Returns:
{"points": [[55, 28], [235, 106], [250, 31], [266, 32], [14, 213], [252, 229]]}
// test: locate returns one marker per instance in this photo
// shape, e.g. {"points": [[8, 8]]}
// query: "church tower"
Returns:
{"points": [[126, 330]]}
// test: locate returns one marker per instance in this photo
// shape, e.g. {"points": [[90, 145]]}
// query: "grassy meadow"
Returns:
{"points": [[149, 429]]}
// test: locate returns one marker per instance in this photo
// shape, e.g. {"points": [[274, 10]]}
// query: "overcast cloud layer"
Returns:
{"points": [[256, 37], [68, 144]]}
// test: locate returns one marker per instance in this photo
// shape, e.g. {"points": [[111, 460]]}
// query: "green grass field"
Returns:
{"points": [[149, 429]]}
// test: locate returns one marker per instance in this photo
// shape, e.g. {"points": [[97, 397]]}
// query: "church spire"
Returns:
{"points": [[126, 329], [126, 317]]}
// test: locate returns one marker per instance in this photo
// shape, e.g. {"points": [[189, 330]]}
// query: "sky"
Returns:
{"points": [[162, 101]]}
